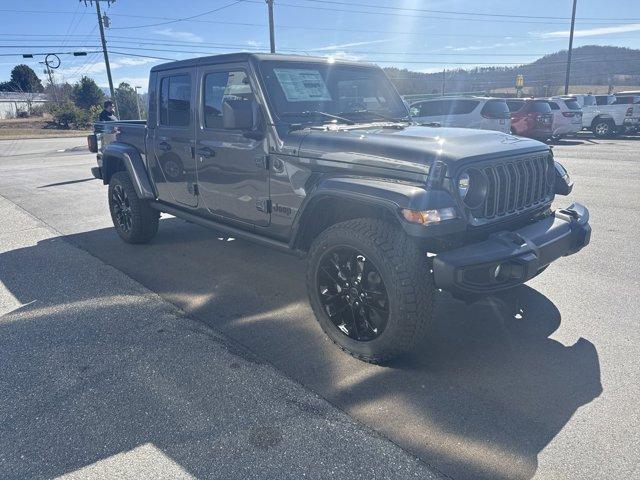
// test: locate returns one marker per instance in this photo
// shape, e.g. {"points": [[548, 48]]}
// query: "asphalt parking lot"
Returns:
{"points": [[542, 382]]}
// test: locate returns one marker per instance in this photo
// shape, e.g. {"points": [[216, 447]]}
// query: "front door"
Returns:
{"points": [[233, 175], [173, 139]]}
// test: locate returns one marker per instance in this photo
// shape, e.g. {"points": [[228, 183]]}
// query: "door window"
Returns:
{"points": [[175, 101], [430, 109], [460, 107], [554, 106], [221, 86]]}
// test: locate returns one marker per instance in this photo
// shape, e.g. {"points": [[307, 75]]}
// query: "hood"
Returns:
{"points": [[409, 147]]}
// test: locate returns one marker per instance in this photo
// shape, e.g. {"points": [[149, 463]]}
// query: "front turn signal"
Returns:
{"points": [[429, 217]]}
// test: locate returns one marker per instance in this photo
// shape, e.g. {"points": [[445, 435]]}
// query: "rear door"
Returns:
{"points": [[233, 175], [172, 142]]}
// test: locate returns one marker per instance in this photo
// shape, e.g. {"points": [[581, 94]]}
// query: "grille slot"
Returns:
{"points": [[513, 185]]}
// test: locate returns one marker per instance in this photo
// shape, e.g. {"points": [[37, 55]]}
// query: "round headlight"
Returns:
{"points": [[464, 182], [472, 187]]}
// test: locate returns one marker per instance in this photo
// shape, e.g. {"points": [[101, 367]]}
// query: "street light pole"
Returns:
{"points": [[272, 36], [573, 22]]}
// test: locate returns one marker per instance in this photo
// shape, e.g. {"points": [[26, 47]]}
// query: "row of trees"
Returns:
{"points": [[80, 104], [74, 105]]}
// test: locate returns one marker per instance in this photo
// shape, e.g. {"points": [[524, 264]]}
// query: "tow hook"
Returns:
{"points": [[569, 212]]}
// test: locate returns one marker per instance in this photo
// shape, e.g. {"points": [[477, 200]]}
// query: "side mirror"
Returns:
{"points": [[237, 115]]}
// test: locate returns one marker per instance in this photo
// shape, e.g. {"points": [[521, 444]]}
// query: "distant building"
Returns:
{"points": [[13, 102]]}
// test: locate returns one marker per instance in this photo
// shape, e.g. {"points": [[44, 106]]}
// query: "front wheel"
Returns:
{"points": [[370, 287], [134, 220]]}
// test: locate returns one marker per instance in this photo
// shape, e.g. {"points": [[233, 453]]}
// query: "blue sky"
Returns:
{"points": [[422, 35]]}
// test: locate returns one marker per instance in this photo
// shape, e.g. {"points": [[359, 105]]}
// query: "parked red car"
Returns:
{"points": [[531, 118]]}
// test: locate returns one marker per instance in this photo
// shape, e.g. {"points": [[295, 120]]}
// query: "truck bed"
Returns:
{"points": [[132, 132]]}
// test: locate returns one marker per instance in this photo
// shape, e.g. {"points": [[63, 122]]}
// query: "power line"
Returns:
{"points": [[181, 19], [585, 20], [396, 14], [450, 12], [40, 53], [145, 56]]}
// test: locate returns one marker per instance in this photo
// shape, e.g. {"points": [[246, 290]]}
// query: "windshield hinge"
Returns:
{"points": [[262, 161]]}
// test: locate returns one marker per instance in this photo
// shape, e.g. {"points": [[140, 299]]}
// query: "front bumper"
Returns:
{"points": [[510, 258]]}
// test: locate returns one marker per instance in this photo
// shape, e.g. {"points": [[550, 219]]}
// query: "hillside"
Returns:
{"points": [[591, 65]]}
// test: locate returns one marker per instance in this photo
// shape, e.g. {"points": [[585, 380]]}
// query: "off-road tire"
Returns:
{"points": [[144, 219], [603, 128], [407, 276]]}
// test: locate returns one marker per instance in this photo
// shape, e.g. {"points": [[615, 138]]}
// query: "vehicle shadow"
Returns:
{"points": [[485, 392]]}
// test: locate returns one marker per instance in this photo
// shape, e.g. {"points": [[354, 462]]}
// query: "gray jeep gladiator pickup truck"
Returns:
{"points": [[320, 158]]}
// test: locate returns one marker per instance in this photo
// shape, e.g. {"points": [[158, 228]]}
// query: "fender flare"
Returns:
{"points": [[601, 116], [388, 195], [117, 154]]}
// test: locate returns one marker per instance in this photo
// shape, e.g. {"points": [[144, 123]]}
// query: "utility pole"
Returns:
{"points": [[272, 36], [444, 77], [104, 50], [52, 61], [573, 22], [138, 101]]}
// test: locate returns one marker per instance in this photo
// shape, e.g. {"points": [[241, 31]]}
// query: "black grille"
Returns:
{"points": [[515, 184]]}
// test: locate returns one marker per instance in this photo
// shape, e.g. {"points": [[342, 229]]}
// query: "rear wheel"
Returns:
{"points": [[134, 220], [603, 128], [370, 288]]}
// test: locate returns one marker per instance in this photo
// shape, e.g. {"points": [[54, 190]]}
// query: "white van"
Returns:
{"points": [[473, 112]]}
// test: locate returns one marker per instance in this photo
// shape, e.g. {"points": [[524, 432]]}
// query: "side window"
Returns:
{"points": [[554, 106], [462, 107], [175, 101], [220, 87], [430, 109], [602, 100]]}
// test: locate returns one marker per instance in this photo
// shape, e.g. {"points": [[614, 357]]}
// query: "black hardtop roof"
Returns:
{"points": [[250, 57]]}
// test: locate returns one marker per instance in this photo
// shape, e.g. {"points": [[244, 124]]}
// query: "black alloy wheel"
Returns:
{"points": [[122, 208], [352, 293]]}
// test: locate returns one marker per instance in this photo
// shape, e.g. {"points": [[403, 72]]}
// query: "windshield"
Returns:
{"points": [[305, 92], [515, 105], [540, 106]]}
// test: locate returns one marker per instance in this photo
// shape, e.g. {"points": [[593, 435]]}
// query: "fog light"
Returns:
{"points": [[429, 217]]}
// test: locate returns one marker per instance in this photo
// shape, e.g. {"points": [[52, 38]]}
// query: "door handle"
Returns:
{"points": [[206, 152], [164, 146]]}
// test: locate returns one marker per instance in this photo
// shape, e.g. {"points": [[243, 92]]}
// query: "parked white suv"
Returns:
{"points": [[567, 116], [472, 112]]}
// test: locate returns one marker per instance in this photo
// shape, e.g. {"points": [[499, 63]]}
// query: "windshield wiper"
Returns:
{"points": [[316, 113], [375, 114]]}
